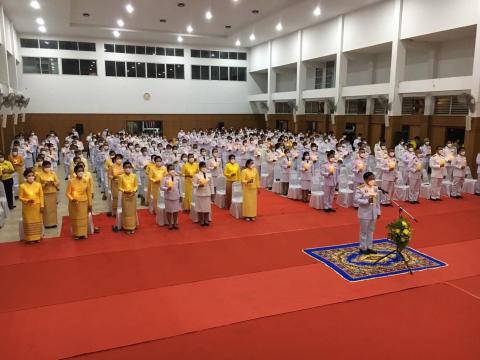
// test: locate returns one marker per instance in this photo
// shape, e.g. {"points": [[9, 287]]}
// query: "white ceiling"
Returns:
{"points": [[64, 18]]}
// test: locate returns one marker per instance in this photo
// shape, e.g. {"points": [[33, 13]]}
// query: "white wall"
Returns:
{"points": [[455, 58], [427, 16], [320, 40], [285, 50], [257, 83], [368, 26], [286, 80], [381, 72], [259, 57], [417, 65], [102, 94]]}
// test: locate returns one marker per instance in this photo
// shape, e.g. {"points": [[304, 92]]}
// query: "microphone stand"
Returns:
{"points": [[397, 251]]}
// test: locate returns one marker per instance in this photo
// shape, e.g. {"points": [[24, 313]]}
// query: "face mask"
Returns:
{"points": [[204, 153], [410, 149], [371, 182], [128, 170], [203, 169], [449, 145], [392, 154], [363, 156], [80, 174], [462, 153], [137, 149], [191, 160], [158, 163], [332, 159], [307, 157], [440, 152], [118, 161], [383, 147], [30, 178], [232, 161], [427, 143], [47, 169]]}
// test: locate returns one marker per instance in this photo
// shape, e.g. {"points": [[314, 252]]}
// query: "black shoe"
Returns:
{"points": [[326, 210], [417, 202], [432, 199], [477, 194], [363, 252], [371, 251], [332, 210]]}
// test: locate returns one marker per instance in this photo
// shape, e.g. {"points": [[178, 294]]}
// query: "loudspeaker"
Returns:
{"points": [[79, 129]]}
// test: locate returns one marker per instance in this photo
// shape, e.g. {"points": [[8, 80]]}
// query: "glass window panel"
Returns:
{"points": [[196, 72], [87, 46], [214, 72], [70, 67], [68, 45], [233, 74], [140, 50], [242, 56], [242, 74], [205, 53], [205, 72], [131, 69], [170, 71], [195, 53], [215, 54], [29, 43], [179, 52], [233, 55], [151, 70], [31, 65], [88, 67], [150, 50], [109, 68], [119, 48], [223, 55], [161, 71], [140, 69], [223, 73], [109, 48], [48, 44], [160, 51], [179, 71], [49, 65], [120, 67], [170, 51], [130, 49]]}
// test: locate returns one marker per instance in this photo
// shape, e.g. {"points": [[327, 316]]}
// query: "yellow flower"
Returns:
{"points": [[397, 231], [404, 224], [406, 232]]}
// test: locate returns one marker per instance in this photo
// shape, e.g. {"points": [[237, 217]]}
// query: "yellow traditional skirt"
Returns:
{"points": [[50, 211], [129, 211], [114, 189], [149, 190], [19, 172], [249, 206], [32, 222], [78, 213], [188, 189], [154, 189]]}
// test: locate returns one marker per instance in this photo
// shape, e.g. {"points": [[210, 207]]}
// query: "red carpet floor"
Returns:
{"points": [[230, 286]]}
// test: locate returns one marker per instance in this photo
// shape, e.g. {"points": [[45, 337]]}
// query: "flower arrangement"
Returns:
{"points": [[400, 232]]}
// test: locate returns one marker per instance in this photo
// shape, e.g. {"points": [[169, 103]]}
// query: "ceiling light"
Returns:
{"points": [[238, 43], [120, 23], [35, 4], [116, 33], [208, 15], [180, 39], [317, 11], [279, 27], [130, 9], [252, 37], [40, 21], [42, 28], [189, 29]]}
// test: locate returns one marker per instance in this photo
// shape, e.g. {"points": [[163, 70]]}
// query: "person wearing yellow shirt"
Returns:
{"points": [[128, 186], [31, 196], [7, 170], [106, 166], [188, 172], [113, 174], [251, 188], [37, 167], [50, 185], [18, 163], [155, 175], [232, 174], [79, 202], [149, 185]]}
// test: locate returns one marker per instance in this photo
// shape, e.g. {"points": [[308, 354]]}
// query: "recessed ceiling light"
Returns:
{"points": [[116, 33], [238, 43], [208, 15], [86, 14], [42, 29], [181, 4], [255, 11], [279, 27], [317, 11], [40, 21], [252, 37], [130, 9], [180, 39], [35, 4], [120, 23], [189, 29], [163, 20]]}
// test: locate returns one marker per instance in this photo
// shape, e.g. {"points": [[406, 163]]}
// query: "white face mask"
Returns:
{"points": [[462, 153], [392, 154], [410, 149], [47, 169], [332, 159], [363, 156], [128, 170], [371, 182], [449, 145], [80, 174]]}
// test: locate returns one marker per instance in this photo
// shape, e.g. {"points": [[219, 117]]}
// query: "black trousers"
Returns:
{"points": [[8, 185]]}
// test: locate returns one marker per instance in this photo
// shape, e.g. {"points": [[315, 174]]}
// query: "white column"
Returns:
{"points": [[429, 104], [340, 70], [272, 80], [370, 103], [476, 70], [397, 70], [301, 76]]}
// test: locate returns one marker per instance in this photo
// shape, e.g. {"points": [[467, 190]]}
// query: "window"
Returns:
{"points": [[413, 106], [205, 72], [29, 43], [179, 52], [205, 54], [48, 44], [179, 72], [49, 65], [215, 54], [87, 46], [140, 50], [120, 67], [283, 108], [214, 73], [170, 52], [233, 74], [242, 56], [110, 68], [160, 51], [195, 53], [170, 71], [233, 55], [140, 69], [379, 107], [31, 65], [318, 78], [196, 72], [223, 73], [161, 71], [130, 49], [451, 105], [88, 67], [119, 48], [330, 75], [150, 50], [356, 106], [151, 70], [109, 48], [131, 69], [223, 55], [242, 74], [314, 107], [68, 45], [70, 67]]}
